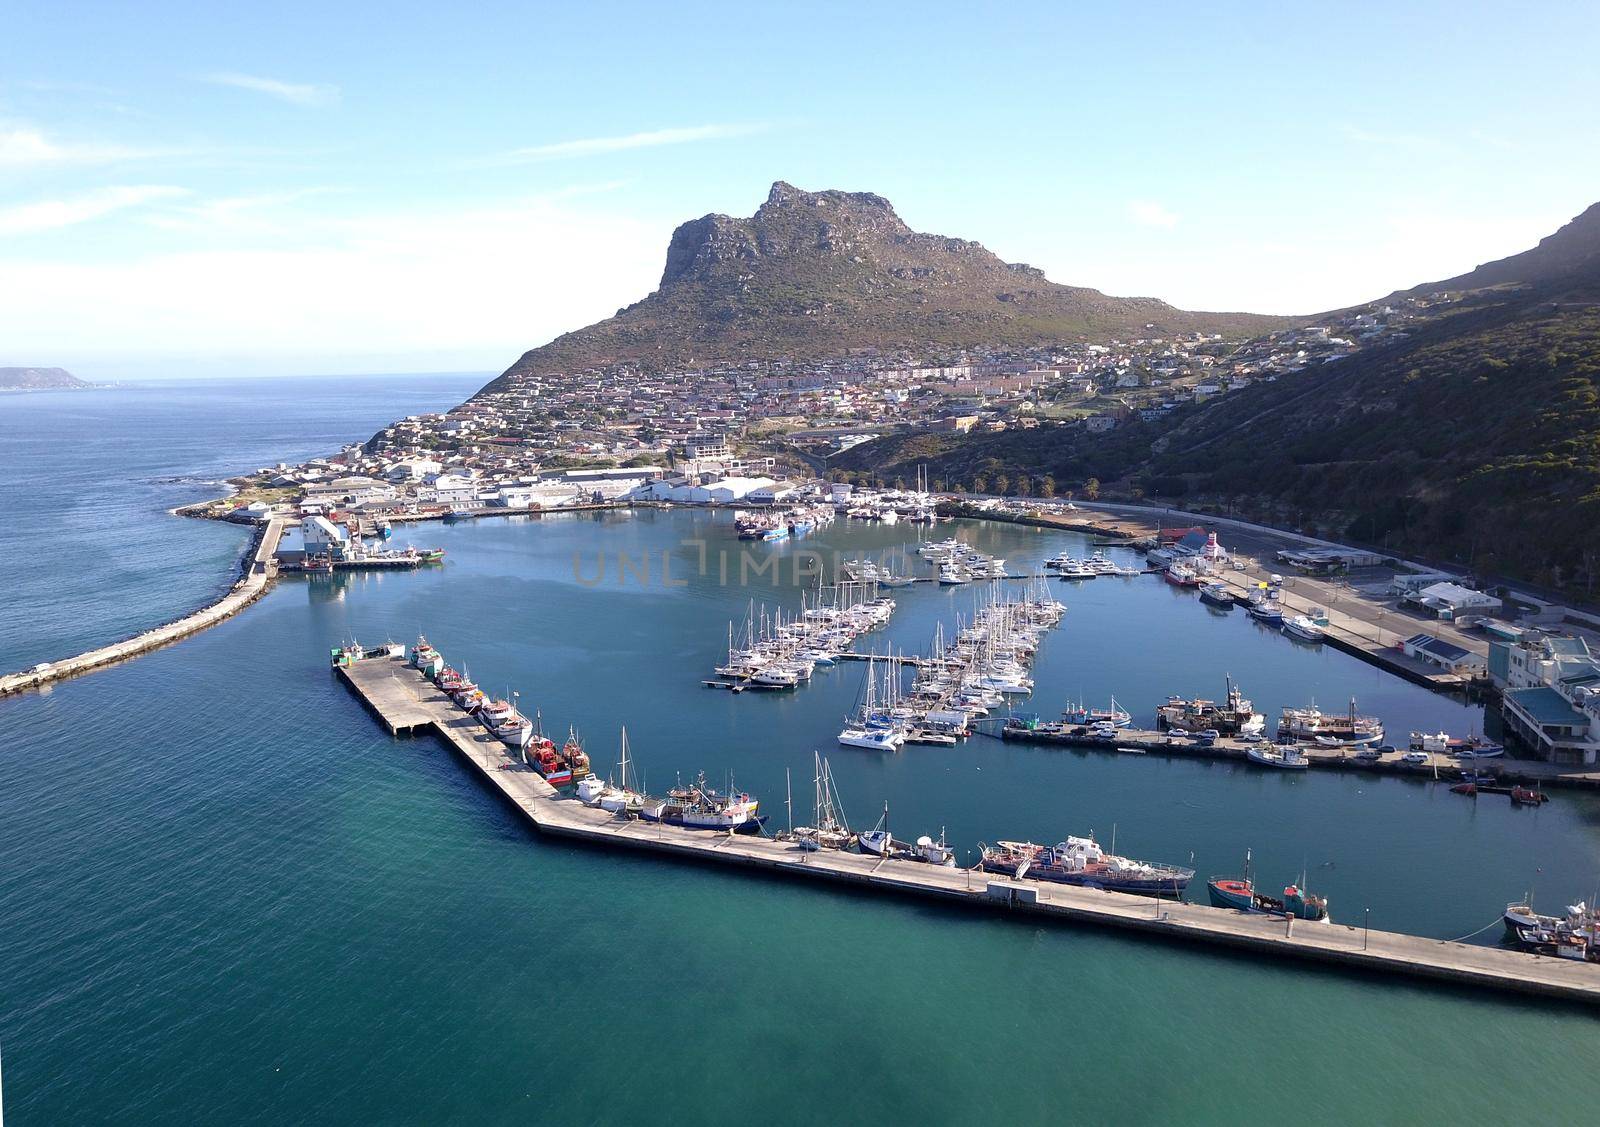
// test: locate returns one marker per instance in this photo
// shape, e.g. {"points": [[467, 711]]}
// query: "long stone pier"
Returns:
{"points": [[407, 702]]}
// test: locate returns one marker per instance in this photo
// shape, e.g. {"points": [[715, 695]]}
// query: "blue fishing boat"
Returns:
{"points": [[1240, 893]]}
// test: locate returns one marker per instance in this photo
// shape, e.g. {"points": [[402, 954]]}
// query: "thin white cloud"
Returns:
{"points": [[1399, 140], [47, 215], [594, 146], [1147, 213], [22, 147], [257, 213], [296, 93]]}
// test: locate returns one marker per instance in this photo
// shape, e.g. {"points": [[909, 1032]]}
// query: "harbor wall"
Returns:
{"points": [[258, 570]]}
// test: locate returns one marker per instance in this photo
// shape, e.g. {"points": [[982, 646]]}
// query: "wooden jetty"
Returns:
{"points": [[260, 568], [406, 702]]}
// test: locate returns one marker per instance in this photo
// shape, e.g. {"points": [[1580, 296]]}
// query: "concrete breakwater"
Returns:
{"points": [[407, 702], [259, 570]]}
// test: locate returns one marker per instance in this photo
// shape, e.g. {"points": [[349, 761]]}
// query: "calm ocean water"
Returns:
{"points": [[227, 896], [88, 472]]}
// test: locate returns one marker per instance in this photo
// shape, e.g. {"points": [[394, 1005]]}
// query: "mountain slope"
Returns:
{"points": [[1570, 257], [814, 274], [1476, 440]]}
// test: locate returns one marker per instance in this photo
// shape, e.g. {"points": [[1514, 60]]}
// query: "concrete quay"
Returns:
{"points": [[259, 571], [406, 702]]}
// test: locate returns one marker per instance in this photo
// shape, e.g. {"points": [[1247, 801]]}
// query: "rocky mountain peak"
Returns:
{"points": [[821, 273]]}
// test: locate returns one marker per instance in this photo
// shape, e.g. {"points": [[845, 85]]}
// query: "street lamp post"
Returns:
{"points": [[1366, 926]]}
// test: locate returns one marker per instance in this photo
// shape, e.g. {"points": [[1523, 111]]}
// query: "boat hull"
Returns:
{"points": [[713, 822]]}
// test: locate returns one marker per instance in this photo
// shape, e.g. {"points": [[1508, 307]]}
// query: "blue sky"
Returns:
{"points": [[353, 187]]}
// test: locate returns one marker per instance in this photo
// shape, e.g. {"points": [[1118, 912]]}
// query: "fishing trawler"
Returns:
{"points": [[1575, 935], [1080, 861], [1284, 758], [1330, 729], [935, 852], [425, 658], [1215, 593], [542, 756], [506, 724], [698, 807], [573, 755], [1240, 893], [1235, 716]]}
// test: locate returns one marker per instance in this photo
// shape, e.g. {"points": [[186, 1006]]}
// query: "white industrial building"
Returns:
{"points": [[1450, 601], [688, 491], [313, 536]]}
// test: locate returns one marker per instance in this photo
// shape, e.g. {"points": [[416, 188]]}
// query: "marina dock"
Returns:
{"points": [[1440, 767], [406, 702], [259, 570]]}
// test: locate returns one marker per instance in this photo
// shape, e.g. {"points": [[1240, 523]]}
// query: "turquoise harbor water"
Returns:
{"points": [[227, 896]]}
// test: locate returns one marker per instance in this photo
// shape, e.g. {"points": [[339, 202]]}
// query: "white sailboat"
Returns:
{"points": [[616, 797], [877, 841], [829, 829], [865, 729]]}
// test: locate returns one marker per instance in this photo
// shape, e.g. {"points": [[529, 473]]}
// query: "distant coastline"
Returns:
{"points": [[41, 379]]}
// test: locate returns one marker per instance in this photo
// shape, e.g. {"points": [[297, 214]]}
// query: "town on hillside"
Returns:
{"points": [[558, 439]]}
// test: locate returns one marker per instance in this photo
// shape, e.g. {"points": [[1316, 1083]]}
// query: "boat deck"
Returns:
{"points": [[402, 698]]}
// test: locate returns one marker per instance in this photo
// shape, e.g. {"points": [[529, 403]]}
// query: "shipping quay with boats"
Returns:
{"points": [[1067, 881]]}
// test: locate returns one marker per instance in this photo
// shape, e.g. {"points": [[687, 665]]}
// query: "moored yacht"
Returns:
{"points": [[873, 739], [1308, 627]]}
